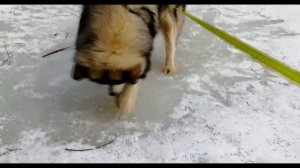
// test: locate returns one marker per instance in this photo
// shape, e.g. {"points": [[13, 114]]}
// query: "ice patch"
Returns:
{"points": [[193, 82], [26, 83], [57, 81], [6, 8], [194, 105], [36, 95]]}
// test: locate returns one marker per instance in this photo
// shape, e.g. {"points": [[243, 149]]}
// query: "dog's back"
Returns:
{"points": [[112, 28]]}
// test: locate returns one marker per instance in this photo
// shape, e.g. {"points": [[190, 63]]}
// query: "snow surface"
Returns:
{"points": [[220, 106]]}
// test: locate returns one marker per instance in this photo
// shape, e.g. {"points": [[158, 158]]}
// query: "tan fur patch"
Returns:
{"points": [[118, 33]]}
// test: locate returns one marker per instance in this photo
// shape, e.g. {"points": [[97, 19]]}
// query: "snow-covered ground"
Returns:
{"points": [[219, 107]]}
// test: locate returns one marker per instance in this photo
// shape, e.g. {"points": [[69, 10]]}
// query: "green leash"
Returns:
{"points": [[263, 58]]}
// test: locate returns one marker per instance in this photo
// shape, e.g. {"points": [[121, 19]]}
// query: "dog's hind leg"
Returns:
{"points": [[171, 24], [127, 98]]}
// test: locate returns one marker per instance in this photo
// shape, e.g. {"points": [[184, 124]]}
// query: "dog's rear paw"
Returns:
{"points": [[169, 69]]}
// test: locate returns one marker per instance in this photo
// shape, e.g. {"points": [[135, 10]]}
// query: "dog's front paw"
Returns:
{"points": [[169, 69], [125, 103]]}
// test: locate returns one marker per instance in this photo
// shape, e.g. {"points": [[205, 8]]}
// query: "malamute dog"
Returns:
{"points": [[114, 45]]}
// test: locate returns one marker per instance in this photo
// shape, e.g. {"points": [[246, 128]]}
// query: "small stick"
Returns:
{"points": [[56, 51], [81, 150], [6, 54], [5, 61], [67, 35], [8, 151], [105, 144]]}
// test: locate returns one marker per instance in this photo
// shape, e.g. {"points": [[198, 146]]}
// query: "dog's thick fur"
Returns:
{"points": [[114, 45]]}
